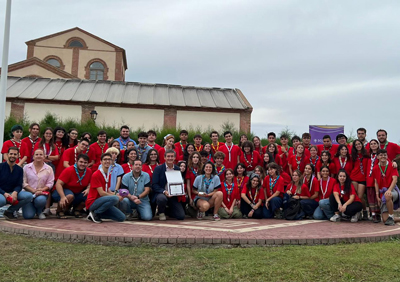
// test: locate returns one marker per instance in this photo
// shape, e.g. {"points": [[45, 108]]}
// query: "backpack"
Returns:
{"points": [[293, 210]]}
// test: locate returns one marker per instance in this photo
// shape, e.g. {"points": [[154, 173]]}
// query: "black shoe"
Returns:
{"points": [[390, 221], [10, 215], [94, 217], [376, 218]]}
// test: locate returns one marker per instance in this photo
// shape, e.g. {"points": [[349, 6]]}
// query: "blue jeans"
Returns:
{"points": [[104, 207], [23, 199], [144, 209], [78, 197], [323, 211], [274, 204], [35, 207], [308, 206]]}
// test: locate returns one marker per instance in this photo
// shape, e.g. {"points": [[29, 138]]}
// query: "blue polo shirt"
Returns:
{"points": [[142, 182], [10, 181]]}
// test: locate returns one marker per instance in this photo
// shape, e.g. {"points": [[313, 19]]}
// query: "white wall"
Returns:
{"points": [[187, 119], [37, 111], [8, 109], [134, 118]]}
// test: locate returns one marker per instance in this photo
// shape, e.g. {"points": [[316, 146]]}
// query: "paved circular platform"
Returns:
{"points": [[206, 231]]}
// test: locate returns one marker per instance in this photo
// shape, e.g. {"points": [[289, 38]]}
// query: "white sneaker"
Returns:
{"points": [[46, 211], [42, 216], [354, 218], [335, 218], [200, 215], [162, 216]]}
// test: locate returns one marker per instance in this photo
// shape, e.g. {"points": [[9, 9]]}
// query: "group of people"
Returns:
{"points": [[120, 179]]}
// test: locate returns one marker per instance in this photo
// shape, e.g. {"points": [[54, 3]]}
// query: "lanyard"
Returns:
{"points": [[106, 177], [342, 165], [383, 172], [326, 187], [249, 164], [272, 184], [361, 164], [229, 150], [373, 158], [136, 180], [253, 199], [206, 182], [77, 174], [45, 149], [229, 190], [221, 171], [101, 147]]}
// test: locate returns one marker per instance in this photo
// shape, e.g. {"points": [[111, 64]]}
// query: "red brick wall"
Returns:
{"points": [[17, 110], [170, 118]]}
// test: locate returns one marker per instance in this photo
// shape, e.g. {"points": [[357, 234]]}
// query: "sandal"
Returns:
{"points": [[78, 214], [61, 215]]}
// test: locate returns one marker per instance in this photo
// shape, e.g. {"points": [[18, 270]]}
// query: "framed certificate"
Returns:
{"points": [[175, 183]]}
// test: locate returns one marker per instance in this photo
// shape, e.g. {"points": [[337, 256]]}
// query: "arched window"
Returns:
{"points": [[54, 63], [75, 43], [96, 71]]}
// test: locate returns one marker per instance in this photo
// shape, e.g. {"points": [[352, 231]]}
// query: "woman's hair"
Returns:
{"points": [[328, 154], [240, 140], [228, 169], [148, 156], [126, 154], [213, 172], [166, 138], [248, 144], [341, 146], [51, 142], [347, 183], [185, 153], [179, 164], [354, 152], [190, 161], [64, 140], [262, 170], [275, 166], [376, 141], [275, 148], [298, 186], [271, 159], [248, 184], [76, 140], [235, 172], [312, 172]]}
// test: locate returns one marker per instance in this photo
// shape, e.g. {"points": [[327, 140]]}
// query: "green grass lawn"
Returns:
{"points": [[25, 258]]}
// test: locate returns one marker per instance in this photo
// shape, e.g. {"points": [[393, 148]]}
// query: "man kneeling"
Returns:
{"points": [[138, 184], [101, 201]]}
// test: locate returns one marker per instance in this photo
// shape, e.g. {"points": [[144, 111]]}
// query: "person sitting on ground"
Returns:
{"points": [[230, 193], [11, 176], [38, 180], [72, 188], [252, 197], [387, 192], [101, 201], [344, 199], [116, 171], [296, 190], [138, 184], [273, 192], [326, 184], [205, 187], [161, 196]]}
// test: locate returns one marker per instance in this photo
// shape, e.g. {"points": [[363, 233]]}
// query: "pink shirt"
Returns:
{"points": [[45, 177]]}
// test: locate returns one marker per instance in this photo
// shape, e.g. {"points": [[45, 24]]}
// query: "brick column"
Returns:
{"points": [[170, 118], [245, 121], [17, 110], [86, 109], [75, 61], [118, 67], [30, 51]]}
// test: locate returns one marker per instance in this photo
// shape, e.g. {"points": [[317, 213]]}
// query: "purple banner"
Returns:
{"points": [[318, 131]]}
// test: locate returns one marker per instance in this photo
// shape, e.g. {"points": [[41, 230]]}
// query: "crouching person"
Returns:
{"points": [[230, 193], [138, 184], [101, 201]]}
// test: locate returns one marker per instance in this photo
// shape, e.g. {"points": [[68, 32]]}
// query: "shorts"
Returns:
{"points": [[362, 182], [395, 197], [78, 197]]}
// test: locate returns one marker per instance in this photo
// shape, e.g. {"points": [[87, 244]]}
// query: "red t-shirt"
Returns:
{"points": [[146, 168], [276, 185], [346, 164], [229, 194], [221, 172], [214, 149], [326, 188], [23, 149], [254, 195], [392, 150], [97, 151], [332, 149], [286, 178], [231, 155], [191, 174], [332, 167], [314, 187], [303, 161], [96, 182], [383, 178], [304, 190], [338, 189], [240, 182], [198, 149], [71, 181], [48, 151], [370, 177], [359, 172], [251, 160], [181, 148], [31, 146], [156, 146]]}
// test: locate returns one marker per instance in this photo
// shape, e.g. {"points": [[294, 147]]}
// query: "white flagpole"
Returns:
{"points": [[4, 72]]}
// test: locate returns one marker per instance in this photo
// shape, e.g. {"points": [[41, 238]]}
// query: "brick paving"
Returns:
{"points": [[203, 232]]}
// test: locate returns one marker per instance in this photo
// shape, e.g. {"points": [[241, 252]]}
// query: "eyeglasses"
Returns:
{"points": [[153, 154], [73, 133], [107, 160]]}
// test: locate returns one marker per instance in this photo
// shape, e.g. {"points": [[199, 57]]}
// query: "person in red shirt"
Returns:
{"points": [[259, 170], [243, 138], [296, 190], [49, 149], [267, 159], [393, 150], [241, 178], [272, 139], [72, 137], [373, 205], [327, 146], [151, 140], [250, 157], [252, 196], [299, 160], [387, 192], [273, 191], [72, 187], [232, 152], [326, 184], [314, 158], [70, 156], [210, 154], [230, 194], [358, 174], [306, 140], [361, 134], [151, 162], [309, 205], [284, 153], [61, 142], [15, 141], [341, 139], [181, 145], [274, 151], [98, 148], [131, 156], [194, 169], [32, 140], [219, 165], [343, 160], [197, 139], [325, 160], [257, 145], [344, 199], [101, 202], [215, 144], [169, 144]]}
